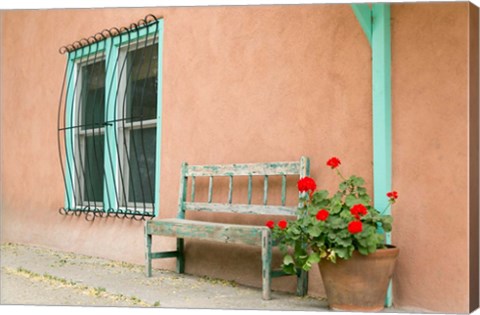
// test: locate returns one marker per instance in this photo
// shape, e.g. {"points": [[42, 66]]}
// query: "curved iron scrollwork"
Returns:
{"points": [[112, 32], [90, 214], [86, 136]]}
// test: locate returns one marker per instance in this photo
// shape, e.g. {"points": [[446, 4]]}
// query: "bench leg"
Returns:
{"points": [[266, 264], [180, 256], [148, 254], [302, 283]]}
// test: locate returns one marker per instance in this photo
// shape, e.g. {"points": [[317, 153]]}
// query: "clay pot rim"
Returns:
{"points": [[388, 251]]}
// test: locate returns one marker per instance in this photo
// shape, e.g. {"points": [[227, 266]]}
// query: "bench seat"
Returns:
{"points": [[218, 232]]}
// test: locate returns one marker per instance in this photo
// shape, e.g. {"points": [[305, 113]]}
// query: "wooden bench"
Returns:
{"points": [[182, 228]]}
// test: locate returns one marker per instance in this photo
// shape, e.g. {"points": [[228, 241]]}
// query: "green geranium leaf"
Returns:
{"points": [[361, 191], [320, 195], [337, 223], [363, 250], [358, 181], [362, 242], [387, 227], [300, 250], [387, 219], [314, 230], [344, 252], [372, 247], [307, 266], [336, 207], [343, 185], [344, 241], [289, 269], [314, 258], [288, 260], [351, 200], [332, 236], [380, 238], [346, 215], [365, 200], [322, 204]]}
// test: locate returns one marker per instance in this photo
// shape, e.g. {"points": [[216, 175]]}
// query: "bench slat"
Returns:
{"points": [[240, 208], [230, 189], [280, 168], [225, 233], [265, 190], [164, 255], [210, 189], [192, 196], [249, 189]]}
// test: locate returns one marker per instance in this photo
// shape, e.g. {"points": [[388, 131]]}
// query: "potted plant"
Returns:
{"points": [[345, 235]]}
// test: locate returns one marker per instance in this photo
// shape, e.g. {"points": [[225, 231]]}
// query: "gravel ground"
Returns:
{"points": [[37, 276]]}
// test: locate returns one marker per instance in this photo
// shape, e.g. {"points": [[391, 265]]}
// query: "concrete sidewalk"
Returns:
{"points": [[37, 276]]}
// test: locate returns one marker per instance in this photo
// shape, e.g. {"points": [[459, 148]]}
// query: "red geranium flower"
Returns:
{"points": [[270, 224], [355, 227], [333, 162], [322, 215], [282, 224], [306, 184], [358, 210], [392, 195]]}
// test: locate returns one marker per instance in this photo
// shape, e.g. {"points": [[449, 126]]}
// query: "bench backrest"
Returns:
{"points": [[299, 169]]}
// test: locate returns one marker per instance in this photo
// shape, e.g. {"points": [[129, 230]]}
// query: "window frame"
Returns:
{"points": [[110, 48]]}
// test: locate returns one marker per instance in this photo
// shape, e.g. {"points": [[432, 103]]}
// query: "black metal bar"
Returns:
{"points": [[106, 123], [79, 107], [110, 123], [127, 156], [85, 125], [93, 130], [142, 58], [149, 181], [73, 143], [132, 138], [119, 159], [59, 137]]}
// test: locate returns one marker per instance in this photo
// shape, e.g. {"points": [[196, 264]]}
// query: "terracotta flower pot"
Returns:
{"points": [[359, 283]]}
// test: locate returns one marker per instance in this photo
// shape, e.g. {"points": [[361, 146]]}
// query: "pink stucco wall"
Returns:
{"points": [[252, 84]]}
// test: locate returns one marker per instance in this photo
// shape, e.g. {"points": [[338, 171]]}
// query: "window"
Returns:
{"points": [[111, 123]]}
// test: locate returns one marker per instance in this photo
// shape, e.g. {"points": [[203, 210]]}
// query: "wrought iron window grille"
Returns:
{"points": [[108, 122]]}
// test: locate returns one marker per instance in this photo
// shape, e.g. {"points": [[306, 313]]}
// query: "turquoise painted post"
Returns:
{"points": [[159, 118], [378, 35], [382, 113]]}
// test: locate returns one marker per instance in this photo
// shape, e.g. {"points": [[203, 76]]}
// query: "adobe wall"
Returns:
{"points": [[253, 84]]}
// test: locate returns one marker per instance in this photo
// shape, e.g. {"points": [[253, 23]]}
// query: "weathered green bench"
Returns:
{"points": [[182, 228]]}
